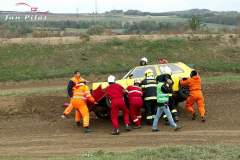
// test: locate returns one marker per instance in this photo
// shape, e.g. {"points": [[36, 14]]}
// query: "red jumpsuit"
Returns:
{"points": [[115, 92], [135, 100]]}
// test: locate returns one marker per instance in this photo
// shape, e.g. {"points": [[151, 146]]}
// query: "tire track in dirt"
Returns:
{"points": [[33, 128]]}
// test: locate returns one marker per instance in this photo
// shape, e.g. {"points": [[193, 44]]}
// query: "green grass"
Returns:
{"points": [[166, 152], [36, 61], [218, 26], [32, 92]]}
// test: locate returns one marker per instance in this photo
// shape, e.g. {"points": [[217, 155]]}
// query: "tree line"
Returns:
{"points": [[204, 15]]}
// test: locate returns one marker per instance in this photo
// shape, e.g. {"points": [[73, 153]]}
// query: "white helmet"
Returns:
{"points": [[144, 59], [111, 79], [168, 70], [138, 80]]}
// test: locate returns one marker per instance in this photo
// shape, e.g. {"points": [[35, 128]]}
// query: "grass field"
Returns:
{"points": [[36, 61], [172, 152], [165, 152]]}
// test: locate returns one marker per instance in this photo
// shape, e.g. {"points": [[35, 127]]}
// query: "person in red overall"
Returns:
{"points": [[162, 61], [115, 93], [135, 100]]}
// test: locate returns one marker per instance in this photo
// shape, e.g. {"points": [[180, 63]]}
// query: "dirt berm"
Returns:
{"points": [[30, 126]]}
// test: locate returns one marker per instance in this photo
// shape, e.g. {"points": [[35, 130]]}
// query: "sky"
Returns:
{"points": [[88, 6]]}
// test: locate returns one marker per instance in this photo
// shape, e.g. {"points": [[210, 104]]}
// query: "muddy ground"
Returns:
{"points": [[31, 126]]}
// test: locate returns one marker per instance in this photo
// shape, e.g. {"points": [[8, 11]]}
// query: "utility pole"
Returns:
{"points": [[77, 10], [96, 5]]}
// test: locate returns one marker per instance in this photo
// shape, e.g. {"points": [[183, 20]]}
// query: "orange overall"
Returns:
{"points": [[78, 116], [194, 84], [79, 101]]}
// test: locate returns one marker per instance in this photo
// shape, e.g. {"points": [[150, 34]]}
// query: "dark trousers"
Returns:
{"points": [[150, 109]]}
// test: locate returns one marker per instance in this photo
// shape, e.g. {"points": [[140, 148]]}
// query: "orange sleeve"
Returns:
{"points": [[88, 94], [184, 83]]}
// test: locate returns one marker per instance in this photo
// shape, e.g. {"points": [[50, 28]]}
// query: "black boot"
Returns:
{"points": [[87, 130], [156, 130], [78, 123], [203, 119], [116, 132], [167, 123], [128, 128], [178, 127], [176, 118], [194, 116], [137, 127]]}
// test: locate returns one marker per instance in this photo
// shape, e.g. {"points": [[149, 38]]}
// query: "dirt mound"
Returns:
{"points": [[31, 126]]}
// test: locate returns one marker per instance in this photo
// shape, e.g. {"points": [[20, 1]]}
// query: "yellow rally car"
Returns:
{"points": [[180, 94]]}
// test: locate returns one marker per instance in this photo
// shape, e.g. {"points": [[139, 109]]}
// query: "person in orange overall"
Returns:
{"points": [[79, 101], [71, 87], [194, 84]]}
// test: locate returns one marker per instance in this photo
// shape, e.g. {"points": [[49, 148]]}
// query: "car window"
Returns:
{"points": [[139, 71], [127, 75], [175, 69]]}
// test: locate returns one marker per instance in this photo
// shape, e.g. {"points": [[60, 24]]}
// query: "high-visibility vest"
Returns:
{"points": [[161, 97], [82, 92], [75, 80]]}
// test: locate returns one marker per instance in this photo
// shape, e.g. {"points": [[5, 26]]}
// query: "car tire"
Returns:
{"points": [[103, 115], [183, 92], [108, 102]]}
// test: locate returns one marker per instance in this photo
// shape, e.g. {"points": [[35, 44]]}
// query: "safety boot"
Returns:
{"points": [[203, 119], [177, 128], [137, 127], [176, 118], [116, 132], [156, 130], [87, 130], [194, 116], [167, 123], [78, 123], [63, 116], [128, 128]]}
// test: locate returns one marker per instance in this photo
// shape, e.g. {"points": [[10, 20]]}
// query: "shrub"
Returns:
{"points": [[114, 42], [96, 29]]}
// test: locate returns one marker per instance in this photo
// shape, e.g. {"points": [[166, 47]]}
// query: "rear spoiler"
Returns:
{"points": [[191, 65]]}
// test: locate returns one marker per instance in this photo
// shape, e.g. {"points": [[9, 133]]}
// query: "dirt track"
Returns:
{"points": [[30, 126]]}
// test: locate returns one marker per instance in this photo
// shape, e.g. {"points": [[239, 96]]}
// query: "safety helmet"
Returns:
{"points": [[138, 80], [168, 70], [111, 79], [144, 59], [148, 73]]}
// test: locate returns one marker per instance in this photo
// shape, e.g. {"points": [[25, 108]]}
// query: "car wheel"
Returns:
{"points": [[108, 101], [103, 115], [183, 92]]}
